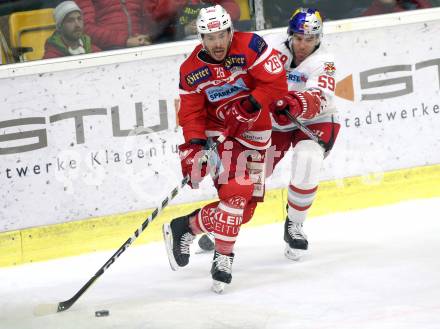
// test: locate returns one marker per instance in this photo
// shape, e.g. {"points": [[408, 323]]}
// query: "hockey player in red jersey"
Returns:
{"points": [[226, 87], [310, 71]]}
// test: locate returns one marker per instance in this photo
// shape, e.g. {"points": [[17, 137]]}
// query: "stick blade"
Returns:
{"points": [[45, 309], [168, 239]]}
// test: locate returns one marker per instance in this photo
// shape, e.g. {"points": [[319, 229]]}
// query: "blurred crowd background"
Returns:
{"points": [[33, 30]]}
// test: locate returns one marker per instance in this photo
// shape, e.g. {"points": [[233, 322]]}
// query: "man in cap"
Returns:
{"points": [[68, 38]]}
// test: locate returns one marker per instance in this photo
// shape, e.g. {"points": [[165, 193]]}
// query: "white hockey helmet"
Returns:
{"points": [[213, 19]]}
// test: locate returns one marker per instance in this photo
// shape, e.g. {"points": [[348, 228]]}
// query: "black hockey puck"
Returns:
{"points": [[206, 243], [102, 313]]}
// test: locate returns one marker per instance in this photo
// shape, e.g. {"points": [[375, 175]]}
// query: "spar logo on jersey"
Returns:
{"points": [[234, 61], [273, 65], [198, 76], [227, 90]]}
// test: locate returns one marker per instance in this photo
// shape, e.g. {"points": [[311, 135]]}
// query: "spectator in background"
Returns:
{"points": [[176, 19], [378, 7], [185, 22], [114, 24], [68, 38]]}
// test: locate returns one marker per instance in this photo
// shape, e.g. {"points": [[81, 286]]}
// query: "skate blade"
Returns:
{"points": [[294, 254], [168, 239], [218, 287]]}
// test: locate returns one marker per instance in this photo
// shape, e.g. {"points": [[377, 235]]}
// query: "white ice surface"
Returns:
{"points": [[375, 268]]}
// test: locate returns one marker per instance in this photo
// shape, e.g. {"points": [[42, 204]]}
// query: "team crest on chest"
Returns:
{"points": [[220, 112], [329, 68]]}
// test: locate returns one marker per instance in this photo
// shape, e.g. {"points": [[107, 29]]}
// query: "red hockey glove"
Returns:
{"points": [[304, 105], [287, 103], [190, 154], [241, 115]]}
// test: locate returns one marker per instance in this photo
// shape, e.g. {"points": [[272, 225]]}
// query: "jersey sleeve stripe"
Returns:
{"points": [[262, 58], [186, 92]]}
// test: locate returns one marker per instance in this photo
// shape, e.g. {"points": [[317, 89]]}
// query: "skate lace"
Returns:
{"points": [[185, 242], [296, 230], [223, 263]]}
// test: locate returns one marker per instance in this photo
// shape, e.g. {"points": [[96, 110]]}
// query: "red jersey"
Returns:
{"points": [[250, 67]]}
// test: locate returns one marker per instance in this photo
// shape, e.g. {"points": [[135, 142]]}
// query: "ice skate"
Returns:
{"points": [[296, 240], [221, 271], [178, 238]]}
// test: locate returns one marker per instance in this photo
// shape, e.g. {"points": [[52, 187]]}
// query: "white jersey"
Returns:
{"points": [[316, 72]]}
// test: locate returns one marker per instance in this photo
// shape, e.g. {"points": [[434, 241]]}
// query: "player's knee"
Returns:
{"points": [[307, 161], [236, 187]]}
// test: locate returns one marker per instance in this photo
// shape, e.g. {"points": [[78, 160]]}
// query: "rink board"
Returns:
{"points": [[109, 232], [71, 140], [71, 143]]}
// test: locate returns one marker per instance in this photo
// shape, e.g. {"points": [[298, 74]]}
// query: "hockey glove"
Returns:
{"points": [[305, 105], [190, 154], [241, 115]]}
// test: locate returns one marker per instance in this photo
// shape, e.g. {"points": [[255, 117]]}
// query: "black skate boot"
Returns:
{"points": [[221, 271], [178, 237], [296, 240]]}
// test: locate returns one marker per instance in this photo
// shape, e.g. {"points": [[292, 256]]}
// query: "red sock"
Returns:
{"points": [[203, 220], [228, 219]]}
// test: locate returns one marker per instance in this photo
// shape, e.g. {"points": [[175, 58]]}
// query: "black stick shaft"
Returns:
{"points": [[62, 306], [65, 305], [305, 130]]}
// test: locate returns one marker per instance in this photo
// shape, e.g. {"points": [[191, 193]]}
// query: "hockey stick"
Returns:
{"points": [[306, 130], [45, 309]]}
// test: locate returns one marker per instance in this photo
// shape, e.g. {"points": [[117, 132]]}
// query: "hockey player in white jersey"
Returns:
{"points": [[310, 74]]}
